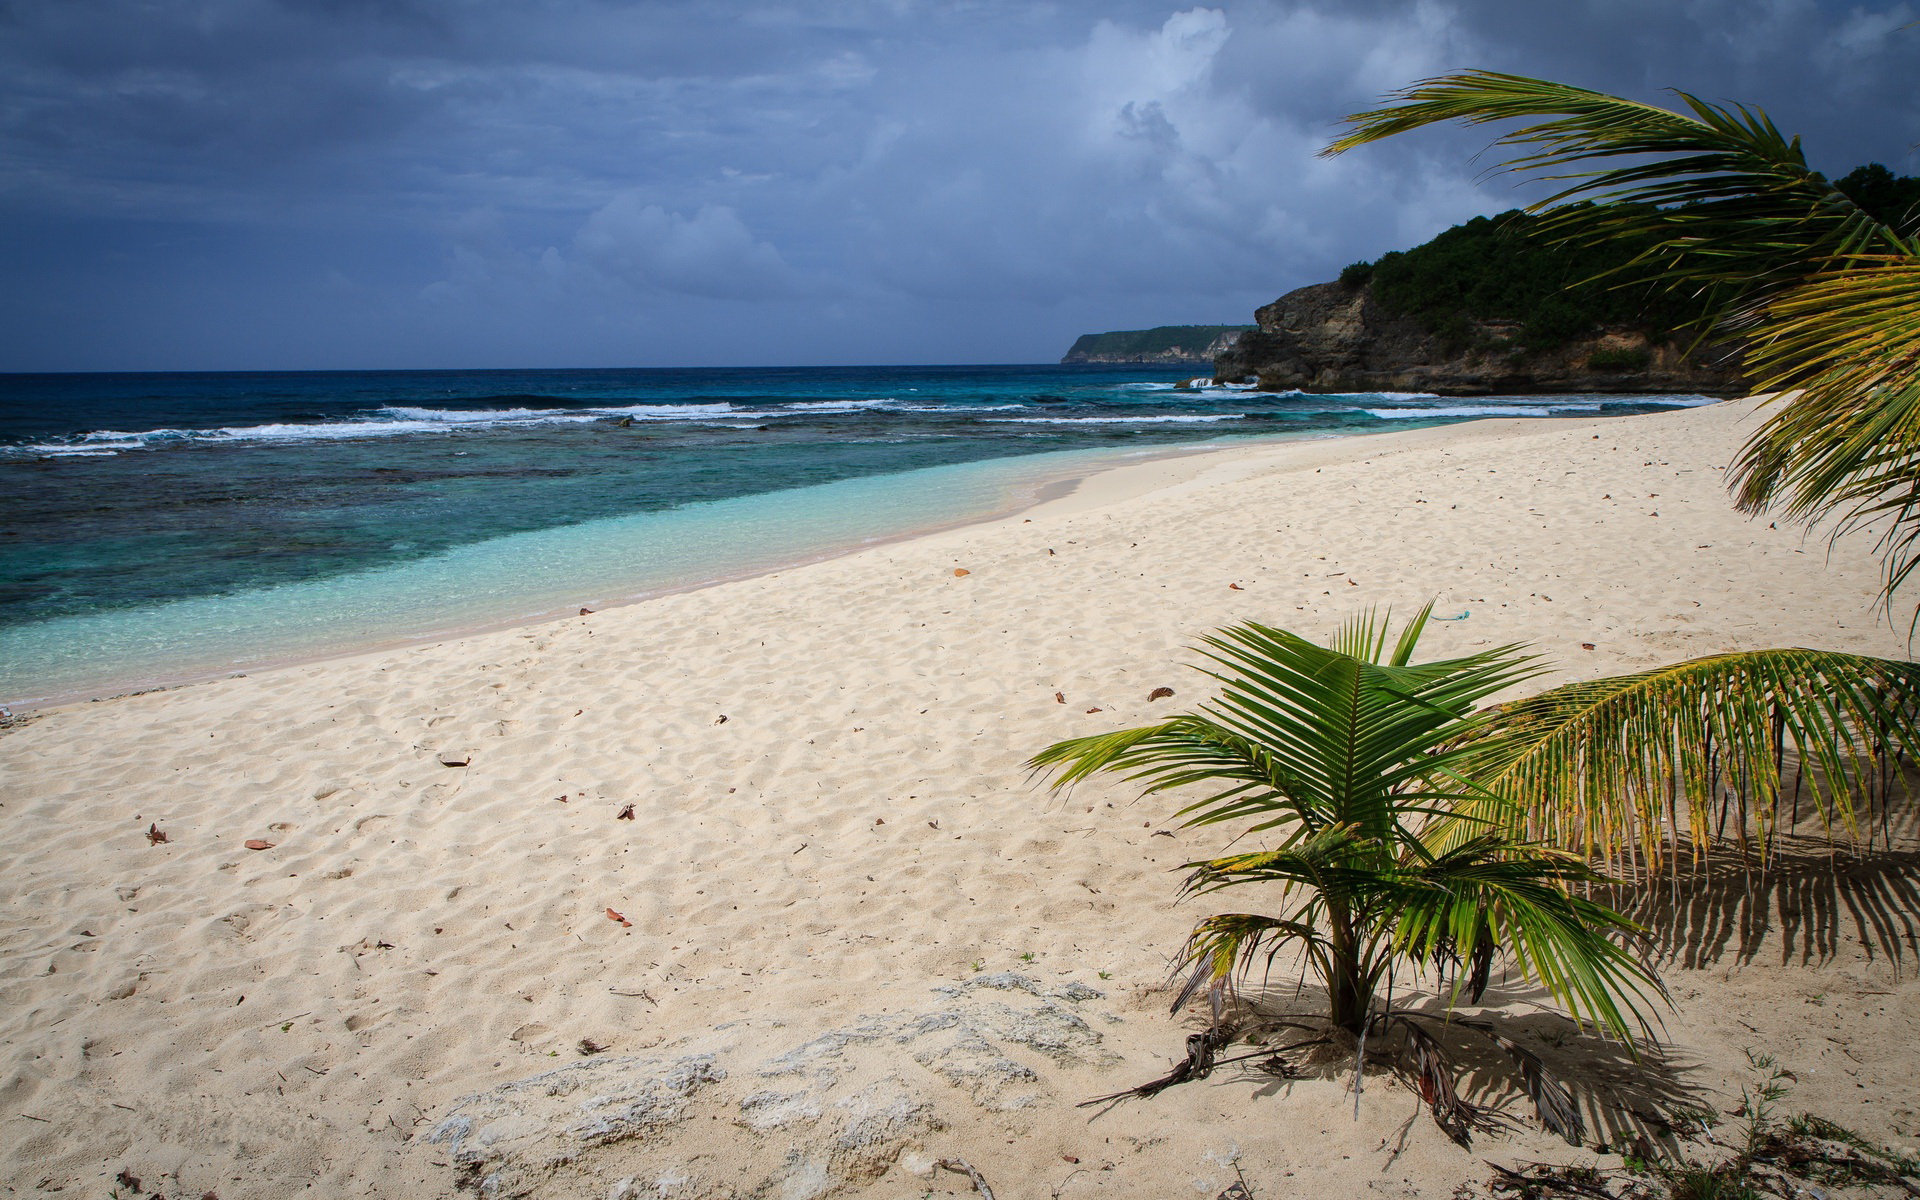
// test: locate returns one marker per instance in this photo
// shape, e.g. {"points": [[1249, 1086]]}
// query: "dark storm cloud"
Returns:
{"points": [[315, 183]]}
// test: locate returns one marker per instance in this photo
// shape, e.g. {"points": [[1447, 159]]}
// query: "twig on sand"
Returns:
{"points": [[1198, 1064], [966, 1168], [636, 996], [1528, 1183]]}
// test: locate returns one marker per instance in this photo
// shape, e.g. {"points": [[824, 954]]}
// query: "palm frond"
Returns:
{"points": [[1307, 736], [1359, 737], [1187, 750], [1221, 945], [1727, 199], [1433, 1079], [1521, 896], [1336, 863], [1617, 767], [1847, 445]]}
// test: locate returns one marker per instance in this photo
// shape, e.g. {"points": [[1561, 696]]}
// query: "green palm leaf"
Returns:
{"points": [[1622, 766], [1520, 896], [1847, 446], [1727, 198]]}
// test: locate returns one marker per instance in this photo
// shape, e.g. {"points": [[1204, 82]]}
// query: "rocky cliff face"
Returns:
{"points": [[1172, 345], [1334, 338]]}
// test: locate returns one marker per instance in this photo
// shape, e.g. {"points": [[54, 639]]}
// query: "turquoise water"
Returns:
{"points": [[176, 526], [519, 575]]}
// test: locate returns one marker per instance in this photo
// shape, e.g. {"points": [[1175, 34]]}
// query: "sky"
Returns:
{"points": [[384, 184]]}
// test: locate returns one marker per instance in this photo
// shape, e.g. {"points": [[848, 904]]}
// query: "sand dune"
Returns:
{"points": [[828, 821]]}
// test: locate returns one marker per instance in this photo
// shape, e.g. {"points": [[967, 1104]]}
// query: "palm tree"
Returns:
{"points": [[1415, 835], [1826, 296], [1357, 763]]}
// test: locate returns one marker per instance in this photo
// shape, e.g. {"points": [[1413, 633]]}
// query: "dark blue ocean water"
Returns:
{"points": [[131, 495]]}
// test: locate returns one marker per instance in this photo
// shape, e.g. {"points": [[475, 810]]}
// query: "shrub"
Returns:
{"points": [[1491, 268], [1619, 358]]}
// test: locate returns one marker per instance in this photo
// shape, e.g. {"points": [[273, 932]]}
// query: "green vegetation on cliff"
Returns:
{"points": [[1492, 269], [1187, 342]]}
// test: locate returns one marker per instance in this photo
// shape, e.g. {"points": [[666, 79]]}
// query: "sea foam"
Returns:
{"points": [[1152, 419]]}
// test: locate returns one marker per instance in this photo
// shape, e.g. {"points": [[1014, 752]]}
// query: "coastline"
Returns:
{"points": [[1032, 481], [829, 830], [1021, 497]]}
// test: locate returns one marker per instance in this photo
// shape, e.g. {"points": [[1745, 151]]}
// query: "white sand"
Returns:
{"points": [[856, 831]]}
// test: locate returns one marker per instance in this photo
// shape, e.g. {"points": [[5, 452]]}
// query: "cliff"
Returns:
{"points": [[1339, 337], [1170, 344]]}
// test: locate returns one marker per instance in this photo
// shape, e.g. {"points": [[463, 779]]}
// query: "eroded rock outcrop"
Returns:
{"points": [[735, 1113], [1332, 337]]}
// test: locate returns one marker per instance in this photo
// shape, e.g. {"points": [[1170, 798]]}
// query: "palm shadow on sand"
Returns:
{"points": [[1800, 907], [1625, 1101]]}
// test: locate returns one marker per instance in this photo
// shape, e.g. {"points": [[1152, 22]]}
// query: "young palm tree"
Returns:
{"points": [[1827, 297], [1408, 829], [1356, 764]]}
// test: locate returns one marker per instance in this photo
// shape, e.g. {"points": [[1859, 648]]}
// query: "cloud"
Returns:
{"points": [[708, 254], [405, 182]]}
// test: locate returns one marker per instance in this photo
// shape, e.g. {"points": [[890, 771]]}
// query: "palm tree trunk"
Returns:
{"points": [[1348, 997]]}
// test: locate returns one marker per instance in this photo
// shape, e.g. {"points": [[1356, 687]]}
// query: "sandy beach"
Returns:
{"points": [[750, 884]]}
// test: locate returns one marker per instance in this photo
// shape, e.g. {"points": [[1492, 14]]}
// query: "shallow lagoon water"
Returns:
{"points": [[166, 526]]}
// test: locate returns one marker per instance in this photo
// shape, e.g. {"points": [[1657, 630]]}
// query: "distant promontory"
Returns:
{"points": [[1177, 345]]}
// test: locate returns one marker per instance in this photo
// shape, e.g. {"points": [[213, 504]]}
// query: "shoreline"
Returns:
{"points": [[1040, 493]]}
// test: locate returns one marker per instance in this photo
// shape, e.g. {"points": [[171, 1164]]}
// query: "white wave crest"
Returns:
{"points": [[1459, 410], [666, 412], [1676, 401], [1143, 420], [833, 406], [484, 416], [402, 420]]}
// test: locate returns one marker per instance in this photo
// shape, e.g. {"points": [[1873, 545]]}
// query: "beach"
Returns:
{"points": [[758, 865]]}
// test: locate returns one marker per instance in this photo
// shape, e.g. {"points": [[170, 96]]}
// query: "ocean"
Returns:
{"points": [[173, 526]]}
